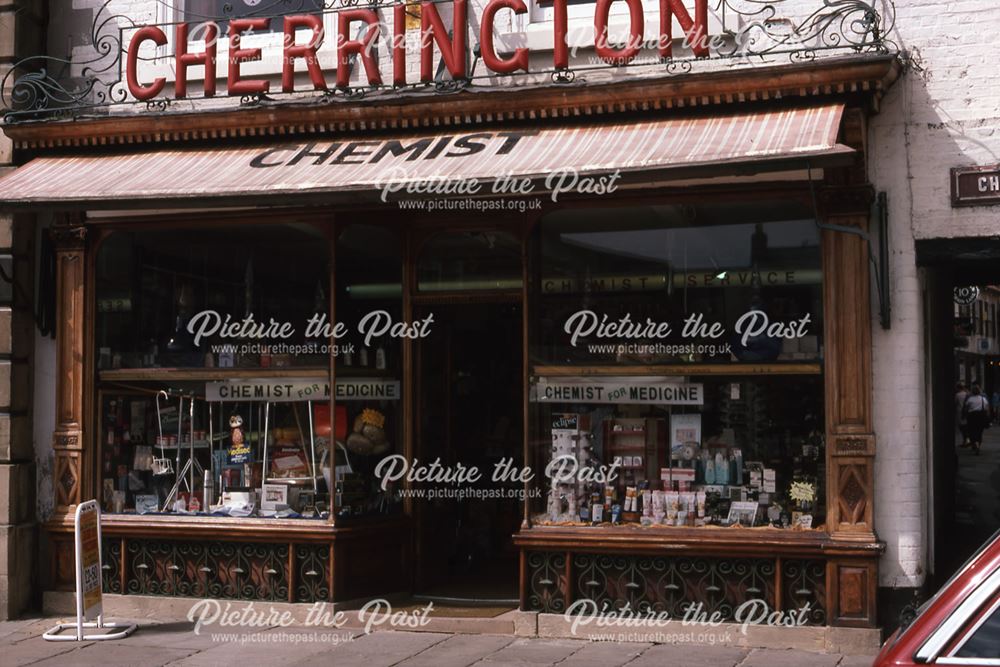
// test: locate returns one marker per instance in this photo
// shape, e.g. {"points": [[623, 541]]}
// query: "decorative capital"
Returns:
{"points": [[69, 236]]}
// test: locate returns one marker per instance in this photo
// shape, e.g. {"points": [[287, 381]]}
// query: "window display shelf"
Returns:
{"points": [[207, 374], [683, 369]]}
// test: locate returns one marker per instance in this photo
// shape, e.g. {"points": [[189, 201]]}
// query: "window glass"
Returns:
{"points": [[369, 413], [985, 641], [672, 284], [677, 367], [211, 298], [467, 261], [213, 371], [219, 11]]}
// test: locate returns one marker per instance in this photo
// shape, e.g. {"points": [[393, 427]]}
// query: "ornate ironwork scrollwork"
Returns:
{"points": [[804, 583], [220, 570], [312, 573], [546, 582], [111, 565], [753, 32], [679, 586]]}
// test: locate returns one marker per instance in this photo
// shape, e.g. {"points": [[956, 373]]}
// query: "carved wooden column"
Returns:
{"points": [[69, 239], [847, 293], [850, 441]]}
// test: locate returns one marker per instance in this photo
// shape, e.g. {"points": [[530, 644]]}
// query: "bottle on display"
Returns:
{"points": [[721, 469], [709, 469]]}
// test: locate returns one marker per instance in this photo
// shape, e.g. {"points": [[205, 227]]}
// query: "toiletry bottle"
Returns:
{"points": [[709, 470], [721, 469]]}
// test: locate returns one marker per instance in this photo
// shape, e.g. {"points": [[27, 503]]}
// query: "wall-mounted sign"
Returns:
{"points": [[965, 296], [286, 390], [618, 390], [975, 186]]}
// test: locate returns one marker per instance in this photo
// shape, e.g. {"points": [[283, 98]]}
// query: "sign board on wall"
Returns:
{"points": [[975, 186]]}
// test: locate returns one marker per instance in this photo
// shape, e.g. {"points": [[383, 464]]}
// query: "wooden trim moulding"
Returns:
{"points": [[862, 75]]}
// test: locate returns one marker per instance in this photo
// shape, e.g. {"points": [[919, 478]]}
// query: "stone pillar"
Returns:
{"points": [[20, 29]]}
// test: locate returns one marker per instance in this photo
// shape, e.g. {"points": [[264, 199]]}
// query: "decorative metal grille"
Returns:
{"points": [[312, 573], [804, 582], [753, 32], [111, 564], [681, 587], [547, 581], [225, 570]]}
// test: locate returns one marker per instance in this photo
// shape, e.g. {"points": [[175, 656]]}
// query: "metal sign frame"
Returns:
{"points": [[86, 509]]}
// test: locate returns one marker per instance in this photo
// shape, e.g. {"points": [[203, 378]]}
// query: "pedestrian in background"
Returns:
{"points": [[961, 393], [977, 415]]}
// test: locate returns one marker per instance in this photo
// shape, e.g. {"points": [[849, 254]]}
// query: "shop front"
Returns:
{"points": [[277, 376]]}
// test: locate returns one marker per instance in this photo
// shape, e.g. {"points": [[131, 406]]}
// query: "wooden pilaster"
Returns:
{"points": [[69, 238], [848, 364]]}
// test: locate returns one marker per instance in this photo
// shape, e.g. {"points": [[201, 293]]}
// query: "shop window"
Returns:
{"points": [[619, 286], [677, 367], [6, 279], [470, 261], [369, 362], [211, 298], [213, 372]]}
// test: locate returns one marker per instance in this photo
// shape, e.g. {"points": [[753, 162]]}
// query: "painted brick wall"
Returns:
{"points": [[944, 112]]}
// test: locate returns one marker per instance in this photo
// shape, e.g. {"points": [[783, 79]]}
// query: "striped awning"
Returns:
{"points": [[329, 167]]}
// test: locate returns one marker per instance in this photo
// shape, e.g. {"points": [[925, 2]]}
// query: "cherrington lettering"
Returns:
{"points": [[372, 34], [584, 324], [209, 323]]}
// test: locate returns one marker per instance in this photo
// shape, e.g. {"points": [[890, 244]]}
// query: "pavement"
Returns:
{"points": [[176, 643], [977, 507]]}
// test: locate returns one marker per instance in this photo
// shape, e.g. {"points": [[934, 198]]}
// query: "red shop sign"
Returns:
{"points": [[432, 32]]}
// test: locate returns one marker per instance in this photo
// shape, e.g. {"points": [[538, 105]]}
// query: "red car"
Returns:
{"points": [[960, 625]]}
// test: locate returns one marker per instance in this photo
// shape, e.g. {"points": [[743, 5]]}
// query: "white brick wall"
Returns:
{"points": [[945, 114]]}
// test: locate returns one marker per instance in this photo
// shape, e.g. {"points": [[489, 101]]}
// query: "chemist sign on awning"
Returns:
{"points": [[286, 390], [615, 390]]}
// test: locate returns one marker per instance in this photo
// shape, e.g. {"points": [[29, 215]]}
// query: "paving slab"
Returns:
{"points": [[113, 652], [379, 649], [534, 652], [681, 655], [766, 657], [857, 661], [607, 654], [459, 651]]}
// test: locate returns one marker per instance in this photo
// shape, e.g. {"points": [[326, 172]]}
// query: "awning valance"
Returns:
{"points": [[359, 166]]}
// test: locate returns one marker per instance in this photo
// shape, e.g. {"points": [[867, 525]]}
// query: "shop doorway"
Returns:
{"points": [[963, 335], [469, 412]]}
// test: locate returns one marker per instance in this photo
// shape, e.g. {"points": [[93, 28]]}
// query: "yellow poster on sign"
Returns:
{"points": [[89, 565]]}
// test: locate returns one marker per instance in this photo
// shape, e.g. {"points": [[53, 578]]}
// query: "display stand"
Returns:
{"points": [[192, 468], [311, 461], [89, 564]]}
